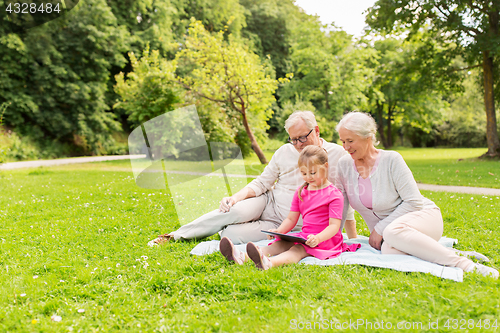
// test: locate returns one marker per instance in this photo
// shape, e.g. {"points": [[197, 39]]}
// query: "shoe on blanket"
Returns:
{"points": [[472, 254], [161, 239], [260, 260], [484, 270], [230, 252]]}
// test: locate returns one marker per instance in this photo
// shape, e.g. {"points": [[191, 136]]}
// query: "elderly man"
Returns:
{"points": [[265, 202]]}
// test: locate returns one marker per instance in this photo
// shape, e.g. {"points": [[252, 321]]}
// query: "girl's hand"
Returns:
{"points": [[271, 236], [375, 240], [312, 240]]}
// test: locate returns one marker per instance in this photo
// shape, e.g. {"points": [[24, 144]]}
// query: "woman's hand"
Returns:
{"points": [[375, 240], [226, 204], [312, 240]]}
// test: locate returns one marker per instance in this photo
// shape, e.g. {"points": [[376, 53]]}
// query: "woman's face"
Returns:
{"points": [[354, 144]]}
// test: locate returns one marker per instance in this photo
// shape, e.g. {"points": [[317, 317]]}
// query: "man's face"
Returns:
{"points": [[301, 129]]}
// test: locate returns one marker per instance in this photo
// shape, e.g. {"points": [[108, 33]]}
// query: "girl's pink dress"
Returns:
{"points": [[316, 209]]}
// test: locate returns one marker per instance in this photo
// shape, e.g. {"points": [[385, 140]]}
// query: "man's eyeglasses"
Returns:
{"points": [[302, 139]]}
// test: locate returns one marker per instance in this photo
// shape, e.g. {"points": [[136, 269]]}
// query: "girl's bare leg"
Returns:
{"points": [[276, 248], [292, 256]]}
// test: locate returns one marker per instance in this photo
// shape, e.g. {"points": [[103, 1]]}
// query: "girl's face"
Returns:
{"points": [[354, 144], [314, 174]]}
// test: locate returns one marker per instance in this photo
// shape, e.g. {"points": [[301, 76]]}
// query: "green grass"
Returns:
{"points": [[458, 166], [74, 238], [442, 166]]}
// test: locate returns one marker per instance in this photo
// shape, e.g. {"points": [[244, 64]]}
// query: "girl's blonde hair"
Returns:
{"points": [[311, 155]]}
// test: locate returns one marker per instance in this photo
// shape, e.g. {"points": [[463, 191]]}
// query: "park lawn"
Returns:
{"points": [[442, 166], [452, 166], [74, 245]]}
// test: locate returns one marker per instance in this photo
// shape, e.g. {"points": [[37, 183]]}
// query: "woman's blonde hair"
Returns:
{"points": [[311, 155]]}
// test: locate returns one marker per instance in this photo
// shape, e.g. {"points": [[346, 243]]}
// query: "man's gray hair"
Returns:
{"points": [[361, 124], [307, 116]]}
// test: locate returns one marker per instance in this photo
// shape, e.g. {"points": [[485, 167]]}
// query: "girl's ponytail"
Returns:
{"points": [[301, 188]]}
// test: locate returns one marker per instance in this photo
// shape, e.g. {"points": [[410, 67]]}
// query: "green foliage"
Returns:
{"points": [[215, 15], [270, 28], [400, 93], [149, 89], [14, 147], [3, 107], [149, 22], [231, 76], [465, 123], [466, 28], [55, 76], [328, 70]]}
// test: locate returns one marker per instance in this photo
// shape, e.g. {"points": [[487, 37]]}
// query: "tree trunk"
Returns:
{"points": [[253, 141], [380, 123], [489, 104], [327, 103], [389, 126]]}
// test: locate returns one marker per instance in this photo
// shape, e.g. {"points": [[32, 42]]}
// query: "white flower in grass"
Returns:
{"points": [[56, 318], [35, 276], [22, 295], [117, 264], [81, 310]]}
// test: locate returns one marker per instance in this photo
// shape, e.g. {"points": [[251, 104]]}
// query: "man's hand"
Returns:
{"points": [[312, 240], [226, 204], [375, 240]]}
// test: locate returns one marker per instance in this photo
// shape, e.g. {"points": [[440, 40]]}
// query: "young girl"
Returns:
{"points": [[320, 204]]}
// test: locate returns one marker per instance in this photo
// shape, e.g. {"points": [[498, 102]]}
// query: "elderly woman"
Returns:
{"points": [[380, 186]]}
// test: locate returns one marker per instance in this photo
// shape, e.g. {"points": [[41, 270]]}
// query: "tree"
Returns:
{"points": [[328, 70], [400, 90], [228, 74], [148, 91], [55, 76], [215, 15], [470, 26], [149, 22], [270, 26]]}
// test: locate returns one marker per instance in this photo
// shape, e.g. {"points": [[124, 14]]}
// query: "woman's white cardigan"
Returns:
{"points": [[395, 191]]}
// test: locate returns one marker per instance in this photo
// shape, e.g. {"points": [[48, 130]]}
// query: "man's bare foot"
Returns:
{"points": [[161, 239]]}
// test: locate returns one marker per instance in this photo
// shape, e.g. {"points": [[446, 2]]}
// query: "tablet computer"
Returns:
{"points": [[285, 237]]}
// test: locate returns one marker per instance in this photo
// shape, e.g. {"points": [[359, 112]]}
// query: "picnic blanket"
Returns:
{"points": [[365, 255]]}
